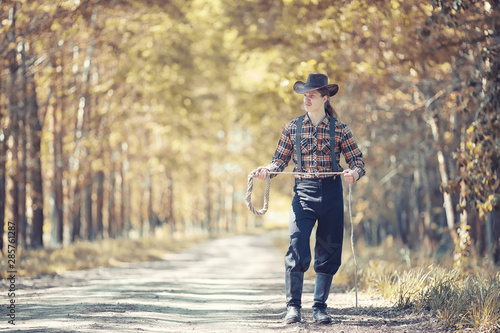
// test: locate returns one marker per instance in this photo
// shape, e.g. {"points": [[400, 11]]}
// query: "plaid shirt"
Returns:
{"points": [[315, 145]]}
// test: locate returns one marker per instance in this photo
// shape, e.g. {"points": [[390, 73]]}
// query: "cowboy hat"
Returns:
{"points": [[314, 82]]}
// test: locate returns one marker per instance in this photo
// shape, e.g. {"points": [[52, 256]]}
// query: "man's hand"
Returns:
{"points": [[350, 176], [261, 173]]}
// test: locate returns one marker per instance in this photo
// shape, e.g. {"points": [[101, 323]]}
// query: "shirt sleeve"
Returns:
{"points": [[353, 155], [283, 153]]}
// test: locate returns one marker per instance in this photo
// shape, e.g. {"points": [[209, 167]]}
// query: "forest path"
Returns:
{"points": [[232, 284]]}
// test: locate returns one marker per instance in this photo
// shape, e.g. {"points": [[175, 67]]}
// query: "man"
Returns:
{"points": [[315, 141]]}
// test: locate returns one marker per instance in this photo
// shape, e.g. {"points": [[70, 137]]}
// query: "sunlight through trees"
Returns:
{"points": [[121, 117]]}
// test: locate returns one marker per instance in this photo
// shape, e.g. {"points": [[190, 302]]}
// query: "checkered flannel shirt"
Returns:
{"points": [[315, 145]]}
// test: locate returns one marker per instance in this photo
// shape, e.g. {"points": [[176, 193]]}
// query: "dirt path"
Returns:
{"points": [[232, 284]]}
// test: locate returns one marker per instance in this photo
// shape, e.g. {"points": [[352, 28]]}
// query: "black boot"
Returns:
{"points": [[292, 314], [293, 284], [321, 291]]}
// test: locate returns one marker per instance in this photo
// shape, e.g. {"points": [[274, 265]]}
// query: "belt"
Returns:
{"points": [[316, 180]]}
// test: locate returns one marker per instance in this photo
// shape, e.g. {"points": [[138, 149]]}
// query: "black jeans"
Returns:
{"points": [[321, 200]]}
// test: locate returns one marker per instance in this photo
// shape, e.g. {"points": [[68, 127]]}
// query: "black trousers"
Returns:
{"points": [[321, 200]]}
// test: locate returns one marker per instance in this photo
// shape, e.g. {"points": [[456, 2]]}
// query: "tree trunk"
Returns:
{"points": [[123, 200], [151, 215], [229, 205], [14, 112], [170, 218], [217, 206], [14, 175], [494, 219], [427, 206], [3, 157], [75, 164], [234, 214], [128, 209], [100, 204], [448, 204], [195, 213], [126, 193], [56, 152], [3, 180], [89, 230], [23, 147], [111, 204], [489, 236], [85, 110], [22, 182], [415, 225], [76, 213], [401, 216], [35, 163], [57, 183], [3, 162], [208, 204], [141, 207]]}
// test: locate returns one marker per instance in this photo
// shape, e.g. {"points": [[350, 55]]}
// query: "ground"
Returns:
{"points": [[232, 284]]}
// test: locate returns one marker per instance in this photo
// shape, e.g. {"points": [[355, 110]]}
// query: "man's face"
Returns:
{"points": [[313, 101]]}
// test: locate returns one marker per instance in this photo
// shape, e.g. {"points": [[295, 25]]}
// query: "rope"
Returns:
{"points": [[352, 246], [248, 201], [248, 196]]}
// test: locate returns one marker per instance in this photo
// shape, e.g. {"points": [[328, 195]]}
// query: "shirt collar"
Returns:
{"points": [[326, 119]]}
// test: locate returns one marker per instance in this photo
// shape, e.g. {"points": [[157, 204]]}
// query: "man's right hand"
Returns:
{"points": [[261, 173]]}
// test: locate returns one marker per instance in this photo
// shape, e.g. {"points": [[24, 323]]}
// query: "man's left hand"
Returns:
{"points": [[350, 176]]}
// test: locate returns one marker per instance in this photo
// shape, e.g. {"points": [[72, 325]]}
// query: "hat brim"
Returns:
{"points": [[300, 88]]}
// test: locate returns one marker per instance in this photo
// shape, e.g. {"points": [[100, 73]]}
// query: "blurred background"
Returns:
{"points": [[125, 119]]}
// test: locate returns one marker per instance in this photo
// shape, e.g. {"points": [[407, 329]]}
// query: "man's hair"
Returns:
{"points": [[328, 107]]}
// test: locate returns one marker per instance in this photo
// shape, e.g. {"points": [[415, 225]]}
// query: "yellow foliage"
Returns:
{"points": [[395, 4]]}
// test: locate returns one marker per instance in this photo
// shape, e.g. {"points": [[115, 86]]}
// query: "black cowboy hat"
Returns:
{"points": [[314, 82]]}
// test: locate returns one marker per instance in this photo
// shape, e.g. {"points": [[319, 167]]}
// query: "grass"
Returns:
{"points": [[460, 300], [84, 254]]}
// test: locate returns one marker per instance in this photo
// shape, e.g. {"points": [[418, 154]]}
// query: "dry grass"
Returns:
{"points": [[108, 252], [457, 300], [467, 300]]}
